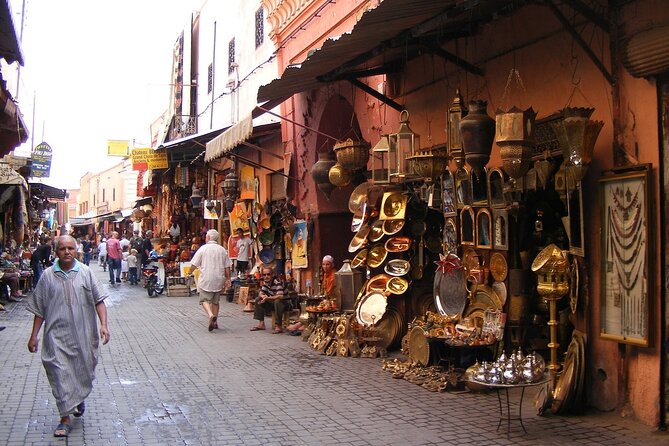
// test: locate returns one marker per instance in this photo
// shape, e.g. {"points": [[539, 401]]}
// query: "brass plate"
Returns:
{"points": [[358, 197], [376, 231], [392, 227], [397, 267], [419, 347], [471, 259], [359, 218], [376, 255], [389, 329], [500, 290], [485, 295], [476, 312], [359, 259], [398, 244], [393, 206], [450, 293], [563, 386], [371, 308], [397, 285], [498, 267], [359, 239]]}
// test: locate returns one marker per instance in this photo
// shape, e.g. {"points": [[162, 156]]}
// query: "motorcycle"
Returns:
{"points": [[154, 276]]}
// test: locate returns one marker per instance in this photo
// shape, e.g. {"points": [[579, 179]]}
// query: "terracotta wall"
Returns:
{"points": [[555, 72]]}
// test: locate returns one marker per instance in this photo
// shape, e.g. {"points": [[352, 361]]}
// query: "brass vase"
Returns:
{"points": [[320, 172]]}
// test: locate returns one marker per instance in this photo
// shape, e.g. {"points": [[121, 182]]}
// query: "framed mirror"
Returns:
{"points": [[500, 237], [480, 188], [483, 229], [575, 231], [467, 226], [463, 187], [448, 194], [625, 256], [496, 188], [450, 236]]}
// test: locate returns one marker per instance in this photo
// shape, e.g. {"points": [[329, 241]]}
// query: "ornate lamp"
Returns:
{"points": [[403, 144], [381, 167], [195, 196], [230, 190], [454, 115], [577, 135], [514, 134]]}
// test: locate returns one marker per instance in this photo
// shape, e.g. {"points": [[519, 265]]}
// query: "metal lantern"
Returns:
{"points": [[403, 144], [350, 283], [320, 172], [514, 134], [195, 197], [230, 190], [577, 135], [454, 115], [381, 161]]}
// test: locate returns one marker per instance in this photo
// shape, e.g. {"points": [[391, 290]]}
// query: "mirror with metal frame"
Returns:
{"points": [[448, 194], [479, 188], [467, 226], [496, 188], [483, 229], [575, 207], [500, 233], [463, 187], [450, 236]]}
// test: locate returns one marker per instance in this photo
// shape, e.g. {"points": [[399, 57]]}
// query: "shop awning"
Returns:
{"points": [[383, 39], [185, 150], [47, 191], [142, 202], [10, 49], [229, 139]]}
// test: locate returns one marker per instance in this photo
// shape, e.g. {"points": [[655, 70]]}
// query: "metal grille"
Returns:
{"points": [[260, 28], [210, 78]]}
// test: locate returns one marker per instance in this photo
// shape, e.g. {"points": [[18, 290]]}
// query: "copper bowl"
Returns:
{"points": [[359, 239], [398, 244], [360, 259], [397, 285], [392, 227], [376, 232], [378, 283]]}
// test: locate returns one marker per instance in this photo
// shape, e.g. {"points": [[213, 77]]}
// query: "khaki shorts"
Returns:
{"points": [[209, 296]]}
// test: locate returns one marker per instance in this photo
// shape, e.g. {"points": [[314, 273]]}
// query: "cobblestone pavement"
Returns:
{"points": [[165, 380]]}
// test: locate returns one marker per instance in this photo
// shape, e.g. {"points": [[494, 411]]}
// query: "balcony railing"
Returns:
{"points": [[182, 126]]}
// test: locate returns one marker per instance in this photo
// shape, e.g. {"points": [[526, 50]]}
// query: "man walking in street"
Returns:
{"points": [[66, 301], [147, 247], [212, 259], [114, 256]]}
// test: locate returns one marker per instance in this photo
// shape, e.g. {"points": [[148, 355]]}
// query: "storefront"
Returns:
{"points": [[556, 155]]}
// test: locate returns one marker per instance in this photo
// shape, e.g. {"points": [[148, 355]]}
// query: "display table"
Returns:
{"points": [[506, 415]]}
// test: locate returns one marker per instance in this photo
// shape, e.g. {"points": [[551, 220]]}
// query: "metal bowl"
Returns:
{"points": [[376, 255], [397, 267], [378, 283], [358, 197], [398, 244], [360, 259], [392, 227], [397, 285], [359, 239], [371, 308], [376, 231]]}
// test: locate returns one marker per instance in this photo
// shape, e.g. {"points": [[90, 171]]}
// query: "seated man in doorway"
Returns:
{"points": [[270, 299], [9, 276]]}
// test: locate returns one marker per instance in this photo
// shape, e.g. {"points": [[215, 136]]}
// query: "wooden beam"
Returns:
{"points": [[381, 97]]}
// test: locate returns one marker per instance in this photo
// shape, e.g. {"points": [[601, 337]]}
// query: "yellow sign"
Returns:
{"points": [[148, 159], [118, 147]]}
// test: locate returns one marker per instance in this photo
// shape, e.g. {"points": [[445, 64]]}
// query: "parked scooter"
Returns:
{"points": [[154, 276]]}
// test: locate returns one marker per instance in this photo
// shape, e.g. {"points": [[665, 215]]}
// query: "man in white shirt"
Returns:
{"points": [[125, 243], [243, 248], [212, 259]]}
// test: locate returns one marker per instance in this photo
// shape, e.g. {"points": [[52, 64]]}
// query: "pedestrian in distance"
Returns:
{"points": [[66, 301], [147, 247], [114, 257], [132, 267], [87, 247], [102, 253], [243, 248], [211, 259]]}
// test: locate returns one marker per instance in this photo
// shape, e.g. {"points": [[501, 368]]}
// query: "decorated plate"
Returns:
{"points": [[397, 267], [498, 267], [450, 294], [371, 308]]}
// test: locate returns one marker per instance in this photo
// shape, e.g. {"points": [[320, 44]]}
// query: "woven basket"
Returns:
{"points": [[351, 154]]}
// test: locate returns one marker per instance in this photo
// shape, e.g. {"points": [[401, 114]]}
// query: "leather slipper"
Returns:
{"points": [[256, 329], [62, 430]]}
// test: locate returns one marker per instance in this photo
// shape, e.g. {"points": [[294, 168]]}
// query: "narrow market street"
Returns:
{"points": [[164, 380]]}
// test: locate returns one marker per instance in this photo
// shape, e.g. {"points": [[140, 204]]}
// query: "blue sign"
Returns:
{"points": [[41, 156]]}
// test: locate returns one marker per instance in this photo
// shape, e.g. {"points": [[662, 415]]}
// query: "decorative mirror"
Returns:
{"points": [[450, 236], [480, 188], [448, 194], [500, 232], [467, 226], [575, 209], [496, 188], [483, 229], [463, 187]]}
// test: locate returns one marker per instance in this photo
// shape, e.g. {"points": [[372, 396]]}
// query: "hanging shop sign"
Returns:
{"points": [[41, 156], [144, 159], [118, 147]]}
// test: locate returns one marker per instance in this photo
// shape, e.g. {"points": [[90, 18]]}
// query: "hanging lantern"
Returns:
{"points": [[381, 161], [352, 155], [320, 172], [454, 115], [230, 190], [478, 133], [577, 135], [195, 197], [403, 144], [514, 133], [339, 175]]}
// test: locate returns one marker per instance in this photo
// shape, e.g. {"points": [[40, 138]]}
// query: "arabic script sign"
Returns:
{"points": [[41, 156]]}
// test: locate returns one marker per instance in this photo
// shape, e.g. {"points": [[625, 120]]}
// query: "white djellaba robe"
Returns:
{"points": [[70, 337]]}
